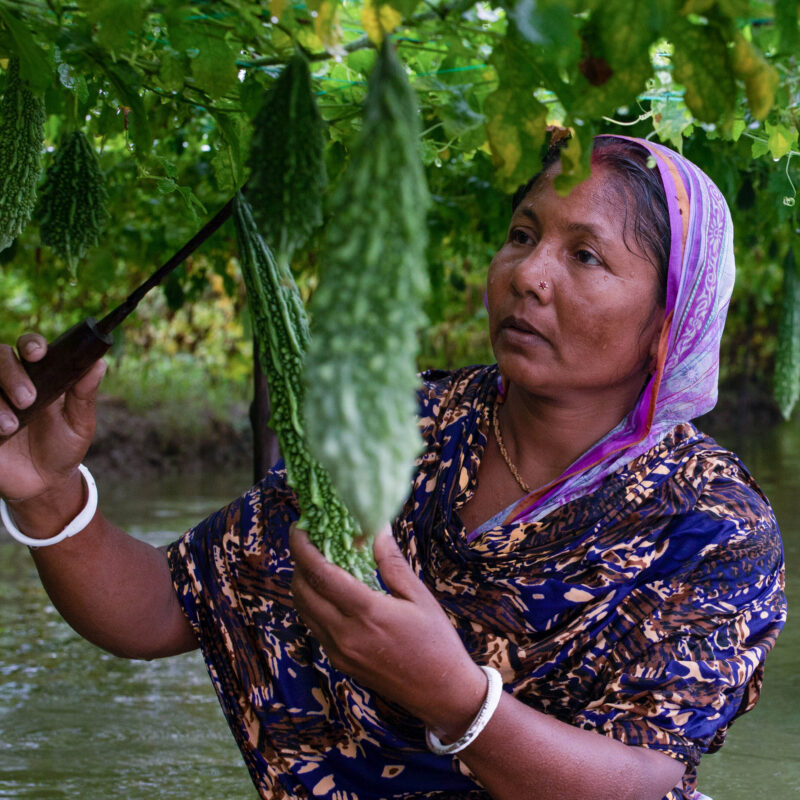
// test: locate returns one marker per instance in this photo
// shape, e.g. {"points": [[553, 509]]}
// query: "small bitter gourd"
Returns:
{"points": [[22, 118], [360, 371], [72, 202], [282, 328], [787, 356], [287, 165]]}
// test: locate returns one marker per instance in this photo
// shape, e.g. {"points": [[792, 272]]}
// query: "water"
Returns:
{"points": [[78, 723]]}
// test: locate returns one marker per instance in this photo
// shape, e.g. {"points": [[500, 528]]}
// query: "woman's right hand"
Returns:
{"points": [[44, 456]]}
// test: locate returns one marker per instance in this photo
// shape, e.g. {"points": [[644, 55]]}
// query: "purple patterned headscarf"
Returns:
{"points": [[684, 386]]}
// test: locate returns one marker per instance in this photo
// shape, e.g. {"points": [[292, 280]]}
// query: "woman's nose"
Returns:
{"points": [[534, 273]]}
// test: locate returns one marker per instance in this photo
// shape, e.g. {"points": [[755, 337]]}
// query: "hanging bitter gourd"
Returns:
{"points": [[21, 135], [287, 165], [72, 203], [287, 182], [361, 375], [787, 357], [282, 329]]}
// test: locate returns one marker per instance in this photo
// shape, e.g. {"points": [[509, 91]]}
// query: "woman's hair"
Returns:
{"points": [[639, 185]]}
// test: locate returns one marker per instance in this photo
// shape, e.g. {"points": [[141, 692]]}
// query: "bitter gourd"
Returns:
{"points": [[282, 329], [288, 177], [72, 203], [361, 374], [787, 357], [21, 135]]}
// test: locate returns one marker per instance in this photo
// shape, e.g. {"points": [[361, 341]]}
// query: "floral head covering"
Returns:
{"points": [[684, 385]]}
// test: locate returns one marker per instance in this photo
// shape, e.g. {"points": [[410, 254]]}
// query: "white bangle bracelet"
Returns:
{"points": [[494, 692], [76, 526]]}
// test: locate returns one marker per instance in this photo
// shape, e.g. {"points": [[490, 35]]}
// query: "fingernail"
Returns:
{"points": [[7, 423], [22, 396], [31, 348]]}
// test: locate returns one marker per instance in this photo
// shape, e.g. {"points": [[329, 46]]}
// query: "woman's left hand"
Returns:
{"points": [[402, 645]]}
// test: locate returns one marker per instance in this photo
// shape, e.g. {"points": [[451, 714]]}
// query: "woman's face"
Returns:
{"points": [[573, 311]]}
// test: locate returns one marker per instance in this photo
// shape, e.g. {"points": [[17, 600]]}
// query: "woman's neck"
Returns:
{"points": [[543, 437]]}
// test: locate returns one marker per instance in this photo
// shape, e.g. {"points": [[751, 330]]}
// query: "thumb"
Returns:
{"points": [[80, 401], [395, 571]]}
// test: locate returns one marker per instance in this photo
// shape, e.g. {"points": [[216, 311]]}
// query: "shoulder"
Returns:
{"points": [[689, 471], [720, 533], [724, 488]]}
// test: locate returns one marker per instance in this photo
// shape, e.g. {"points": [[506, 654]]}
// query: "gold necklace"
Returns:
{"points": [[503, 452]]}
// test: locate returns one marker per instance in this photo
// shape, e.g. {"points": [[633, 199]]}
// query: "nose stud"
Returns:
{"points": [[542, 284]]}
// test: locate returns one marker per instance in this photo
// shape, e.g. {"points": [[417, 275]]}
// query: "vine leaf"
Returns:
{"points": [[126, 83], [760, 77], [781, 139], [34, 64], [701, 66], [115, 20], [379, 19], [516, 130]]}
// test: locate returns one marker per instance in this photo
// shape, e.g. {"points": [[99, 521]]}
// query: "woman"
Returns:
{"points": [[568, 534]]}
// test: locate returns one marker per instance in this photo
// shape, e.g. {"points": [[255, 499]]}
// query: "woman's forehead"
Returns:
{"points": [[597, 202]]}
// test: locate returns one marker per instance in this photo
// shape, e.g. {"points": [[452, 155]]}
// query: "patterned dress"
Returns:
{"points": [[642, 611]]}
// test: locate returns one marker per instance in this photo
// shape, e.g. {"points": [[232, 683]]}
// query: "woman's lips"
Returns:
{"points": [[518, 329]]}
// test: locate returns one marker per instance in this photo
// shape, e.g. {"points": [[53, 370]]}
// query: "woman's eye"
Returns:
{"points": [[586, 257], [519, 236]]}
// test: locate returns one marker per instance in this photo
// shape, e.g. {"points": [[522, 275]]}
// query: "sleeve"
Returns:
{"points": [[232, 572], [695, 662]]}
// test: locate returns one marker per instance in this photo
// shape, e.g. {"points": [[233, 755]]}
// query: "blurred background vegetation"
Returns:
{"points": [[167, 94]]}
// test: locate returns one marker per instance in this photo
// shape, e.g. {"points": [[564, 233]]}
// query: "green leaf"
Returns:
{"points": [[575, 159], [214, 67], [126, 83], [116, 22], [781, 139], [405, 7], [235, 132], [34, 64], [171, 71], [615, 62], [787, 356], [516, 130], [545, 23], [701, 66], [786, 12], [759, 148], [672, 121], [212, 57]]}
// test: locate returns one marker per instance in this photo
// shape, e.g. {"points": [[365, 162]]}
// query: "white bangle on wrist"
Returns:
{"points": [[494, 691], [76, 526]]}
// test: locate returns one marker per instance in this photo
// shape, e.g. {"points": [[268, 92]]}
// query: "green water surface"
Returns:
{"points": [[78, 723]]}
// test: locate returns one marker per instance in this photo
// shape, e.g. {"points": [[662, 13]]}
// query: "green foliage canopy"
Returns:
{"points": [[170, 92]]}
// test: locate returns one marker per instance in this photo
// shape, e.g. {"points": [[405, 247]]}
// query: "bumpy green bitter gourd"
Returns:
{"points": [[360, 371], [21, 135], [287, 177], [282, 329], [72, 204]]}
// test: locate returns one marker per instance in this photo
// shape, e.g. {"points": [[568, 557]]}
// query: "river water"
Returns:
{"points": [[78, 723]]}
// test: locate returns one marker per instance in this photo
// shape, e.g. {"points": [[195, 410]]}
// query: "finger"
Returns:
{"points": [[318, 614], [80, 401], [14, 381], [328, 580], [32, 346], [394, 570]]}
